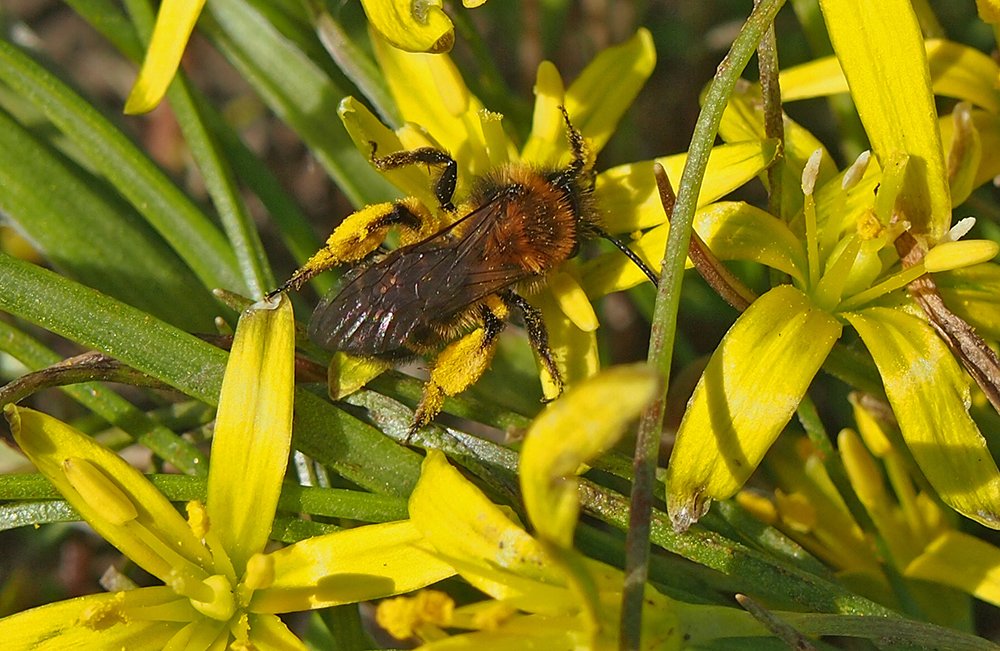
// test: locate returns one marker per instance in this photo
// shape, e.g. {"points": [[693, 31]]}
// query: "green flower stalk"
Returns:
{"points": [[219, 588], [837, 242], [543, 593]]}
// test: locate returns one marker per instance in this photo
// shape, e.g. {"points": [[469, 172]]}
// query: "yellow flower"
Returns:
{"points": [[893, 539], [543, 593], [220, 588], [837, 242]]}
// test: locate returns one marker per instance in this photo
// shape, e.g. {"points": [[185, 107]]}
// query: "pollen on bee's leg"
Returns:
{"points": [[456, 369], [359, 235]]}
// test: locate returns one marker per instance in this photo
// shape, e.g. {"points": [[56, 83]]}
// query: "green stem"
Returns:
{"points": [[665, 312]]}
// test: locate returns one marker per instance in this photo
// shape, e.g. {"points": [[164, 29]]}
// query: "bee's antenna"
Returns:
{"points": [[631, 255]]}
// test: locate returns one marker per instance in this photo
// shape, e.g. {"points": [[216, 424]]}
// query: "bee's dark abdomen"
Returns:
{"points": [[388, 309]]}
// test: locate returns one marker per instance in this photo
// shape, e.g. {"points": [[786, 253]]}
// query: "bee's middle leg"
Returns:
{"points": [[444, 187], [462, 362]]}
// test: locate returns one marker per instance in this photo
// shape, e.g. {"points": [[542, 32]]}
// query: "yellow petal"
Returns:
{"points": [[749, 390], [989, 10], [269, 632], [253, 430], [157, 538], [882, 52], [956, 70], [430, 92], [572, 431], [364, 129], [961, 561], [628, 199], [625, 68], [572, 300], [490, 550], [965, 253], [965, 153], [412, 26], [174, 24], [349, 566], [971, 292], [743, 119], [547, 144], [574, 350], [99, 621], [986, 165], [929, 394], [347, 373], [731, 230]]}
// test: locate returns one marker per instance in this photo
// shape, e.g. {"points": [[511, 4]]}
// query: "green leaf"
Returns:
{"points": [[89, 234], [357, 451], [748, 392], [132, 174], [108, 404], [298, 91], [929, 394]]}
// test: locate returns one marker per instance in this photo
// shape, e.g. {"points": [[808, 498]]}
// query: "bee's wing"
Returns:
{"points": [[412, 291]]}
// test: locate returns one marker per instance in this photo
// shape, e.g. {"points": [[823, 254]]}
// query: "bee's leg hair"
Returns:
{"points": [[444, 187], [461, 363], [538, 336], [356, 237]]}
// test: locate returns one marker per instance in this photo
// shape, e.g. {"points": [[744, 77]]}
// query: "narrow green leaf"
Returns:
{"points": [[164, 206], [357, 451], [215, 169], [295, 229], [93, 236], [26, 514], [108, 404], [298, 91], [97, 321]]}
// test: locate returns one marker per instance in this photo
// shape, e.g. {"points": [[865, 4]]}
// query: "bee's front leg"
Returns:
{"points": [[461, 363], [358, 236]]}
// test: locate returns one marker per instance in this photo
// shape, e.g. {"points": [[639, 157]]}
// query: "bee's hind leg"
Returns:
{"points": [[461, 363], [538, 336]]}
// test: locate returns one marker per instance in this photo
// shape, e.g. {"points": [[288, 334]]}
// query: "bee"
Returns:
{"points": [[451, 287]]}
